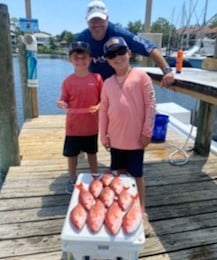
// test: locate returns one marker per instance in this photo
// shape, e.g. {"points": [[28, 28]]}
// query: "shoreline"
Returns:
{"points": [[46, 55]]}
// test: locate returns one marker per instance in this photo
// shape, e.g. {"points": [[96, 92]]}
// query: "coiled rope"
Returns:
{"points": [[185, 153]]}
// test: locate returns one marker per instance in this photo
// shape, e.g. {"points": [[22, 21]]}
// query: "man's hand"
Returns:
{"points": [[167, 80]]}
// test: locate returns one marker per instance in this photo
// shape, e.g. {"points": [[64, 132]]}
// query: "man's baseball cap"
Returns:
{"points": [[113, 44], [96, 9], [79, 46]]}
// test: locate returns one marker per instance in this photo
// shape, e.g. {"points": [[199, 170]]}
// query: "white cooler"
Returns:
{"points": [[84, 245]]}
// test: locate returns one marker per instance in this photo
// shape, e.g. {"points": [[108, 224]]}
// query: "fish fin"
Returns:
{"points": [[95, 175], [136, 196], [79, 186]]}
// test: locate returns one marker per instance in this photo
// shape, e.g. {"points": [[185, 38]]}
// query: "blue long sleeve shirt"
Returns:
{"points": [[137, 45]]}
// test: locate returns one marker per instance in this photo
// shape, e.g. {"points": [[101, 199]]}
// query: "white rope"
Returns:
{"points": [[186, 153], [182, 151]]}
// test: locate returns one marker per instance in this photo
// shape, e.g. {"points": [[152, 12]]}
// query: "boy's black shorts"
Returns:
{"points": [[131, 160], [73, 145]]}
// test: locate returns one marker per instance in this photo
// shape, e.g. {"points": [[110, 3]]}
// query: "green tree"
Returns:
{"points": [[66, 36], [52, 43], [168, 30], [135, 27], [213, 21]]}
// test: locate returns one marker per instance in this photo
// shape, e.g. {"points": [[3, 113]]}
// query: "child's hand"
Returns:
{"points": [[144, 141], [107, 147], [106, 144], [61, 104], [93, 109]]}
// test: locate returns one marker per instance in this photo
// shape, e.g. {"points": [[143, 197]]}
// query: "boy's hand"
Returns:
{"points": [[94, 109], [144, 141], [61, 104], [106, 144]]}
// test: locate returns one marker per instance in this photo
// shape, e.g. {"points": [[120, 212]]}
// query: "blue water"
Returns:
{"points": [[51, 73]]}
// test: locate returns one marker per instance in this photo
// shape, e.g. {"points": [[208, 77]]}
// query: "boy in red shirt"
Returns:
{"points": [[80, 97]]}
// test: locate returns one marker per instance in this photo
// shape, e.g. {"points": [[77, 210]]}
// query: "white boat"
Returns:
{"points": [[195, 56], [200, 51]]}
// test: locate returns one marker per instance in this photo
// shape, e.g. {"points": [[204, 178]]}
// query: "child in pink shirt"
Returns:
{"points": [[80, 97], [127, 114]]}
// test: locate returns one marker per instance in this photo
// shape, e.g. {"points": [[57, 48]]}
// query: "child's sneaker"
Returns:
{"points": [[70, 186]]}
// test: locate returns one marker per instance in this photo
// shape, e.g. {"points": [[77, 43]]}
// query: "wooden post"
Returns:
{"points": [[207, 115], [31, 93], [28, 8], [215, 50], [147, 61], [28, 111], [148, 16], [205, 128], [9, 147]]}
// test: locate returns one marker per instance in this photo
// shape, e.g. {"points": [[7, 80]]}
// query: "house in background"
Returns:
{"points": [[191, 36], [43, 39]]}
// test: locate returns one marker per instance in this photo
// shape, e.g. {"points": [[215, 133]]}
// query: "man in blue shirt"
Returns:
{"points": [[100, 30]]}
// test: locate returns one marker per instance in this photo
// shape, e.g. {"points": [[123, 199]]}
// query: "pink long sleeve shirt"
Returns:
{"points": [[80, 93], [127, 112]]}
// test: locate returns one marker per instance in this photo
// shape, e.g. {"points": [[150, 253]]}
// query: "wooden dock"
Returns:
{"points": [[181, 200]]}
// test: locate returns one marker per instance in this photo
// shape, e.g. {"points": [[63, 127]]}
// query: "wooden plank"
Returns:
{"points": [[32, 214], [31, 229], [177, 188], [182, 210], [184, 224], [21, 203], [30, 246], [153, 200], [203, 252], [53, 255], [179, 241], [210, 63]]}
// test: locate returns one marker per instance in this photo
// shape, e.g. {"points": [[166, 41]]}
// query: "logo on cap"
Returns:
{"points": [[111, 42], [96, 9]]}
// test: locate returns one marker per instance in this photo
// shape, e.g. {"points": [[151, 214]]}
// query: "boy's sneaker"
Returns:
{"points": [[70, 186]]}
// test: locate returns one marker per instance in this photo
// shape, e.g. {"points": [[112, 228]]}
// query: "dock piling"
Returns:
{"points": [[9, 147]]}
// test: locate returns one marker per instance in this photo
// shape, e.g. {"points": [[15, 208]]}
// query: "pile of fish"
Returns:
{"points": [[106, 201]]}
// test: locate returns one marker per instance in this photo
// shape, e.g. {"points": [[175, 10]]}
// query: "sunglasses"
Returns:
{"points": [[112, 54]]}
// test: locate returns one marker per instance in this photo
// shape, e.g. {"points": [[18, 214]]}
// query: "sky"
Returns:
{"points": [[55, 16]]}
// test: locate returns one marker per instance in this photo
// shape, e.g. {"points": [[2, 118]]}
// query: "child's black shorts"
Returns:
{"points": [[131, 160], [73, 145]]}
